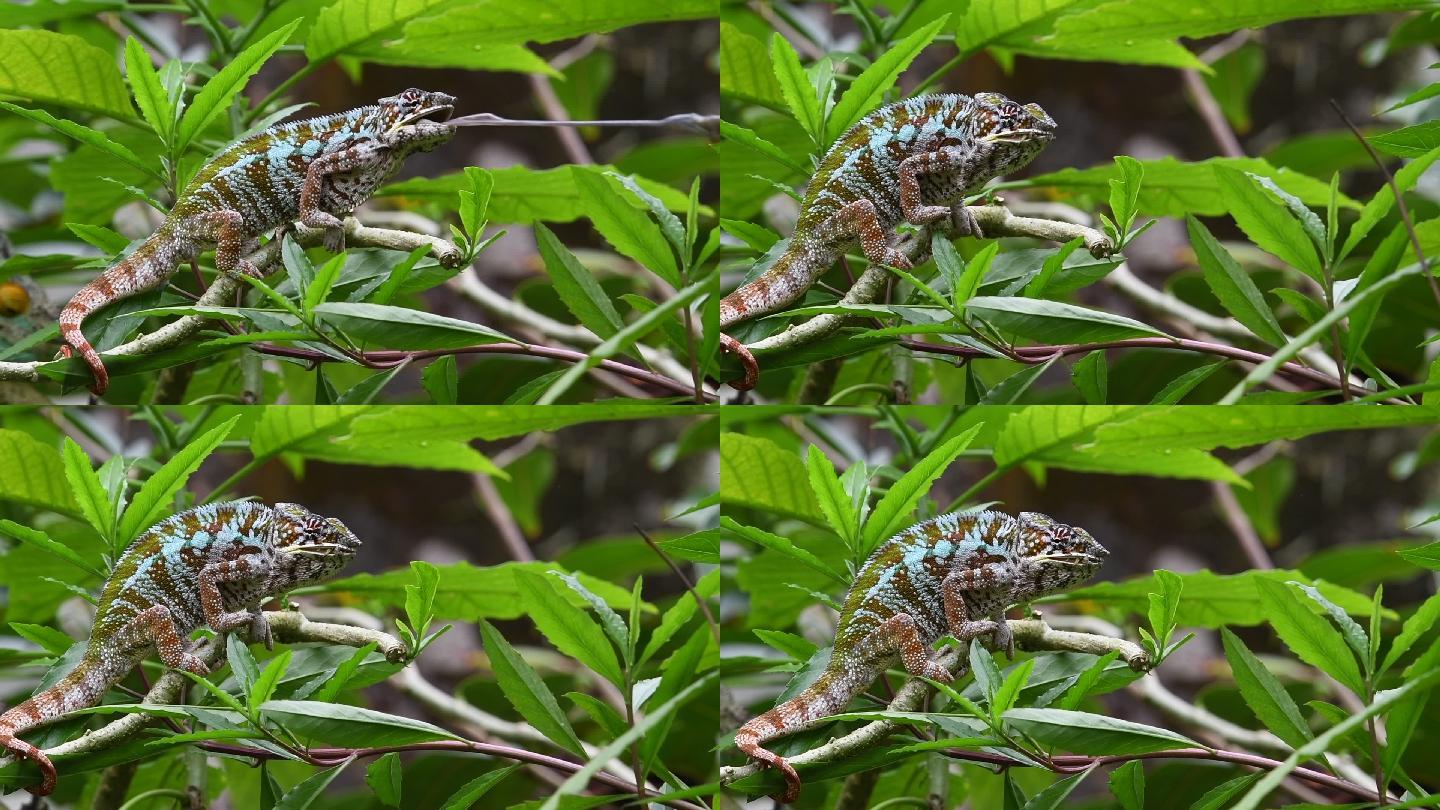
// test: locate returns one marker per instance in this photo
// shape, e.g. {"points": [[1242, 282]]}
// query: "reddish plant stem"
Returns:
{"points": [[329, 757], [389, 359], [1040, 354], [1070, 763]]}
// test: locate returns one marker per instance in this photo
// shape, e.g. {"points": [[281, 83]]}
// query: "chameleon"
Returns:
{"points": [[931, 579], [310, 170], [914, 160], [214, 566]]}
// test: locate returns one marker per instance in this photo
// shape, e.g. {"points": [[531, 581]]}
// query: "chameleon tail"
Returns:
{"points": [[76, 690], [829, 695], [148, 266], [783, 283], [786, 281]]}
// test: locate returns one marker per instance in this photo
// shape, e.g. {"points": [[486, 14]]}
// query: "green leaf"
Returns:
{"points": [[269, 678], [1055, 322], [220, 90], [1378, 207], [1176, 389], [484, 22], [1125, 191], [470, 793], [1317, 331], [831, 496], [745, 70], [324, 281], [582, 777], [569, 628], [625, 338], [1322, 742], [149, 93], [1010, 389], [609, 620], [402, 328], [1127, 785], [795, 87], [89, 493], [153, 501], [441, 380], [1263, 693], [1121, 20], [1220, 796], [1354, 634], [304, 794], [346, 24], [895, 511], [527, 692], [1212, 600], [1174, 188], [51, 640], [83, 134], [869, 87], [466, 591], [1233, 286], [62, 69], [1401, 723], [1414, 629], [756, 473], [1009, 690], [1267, 224], [1427, 556], [1310, 637], [629, 230], [41, 540], [577, 287], [350, 726], [385, 779], [1096, 734], [420, 597], [1089, 376], [782, 545], [1412, 141]]}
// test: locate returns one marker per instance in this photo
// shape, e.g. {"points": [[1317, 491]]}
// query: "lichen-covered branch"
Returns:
{"points": [[994, 220], [224, 288], [1032, 635], [288, 626]]}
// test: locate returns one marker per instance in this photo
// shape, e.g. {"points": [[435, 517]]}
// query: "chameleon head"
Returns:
{"points": [[311, 547], [1055, 556], [1015, 132], [415, 105]]}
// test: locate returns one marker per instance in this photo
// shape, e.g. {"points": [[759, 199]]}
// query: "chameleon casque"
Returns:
{"points": [[916, 161], [213, 566], [317, 171], [954, 574]]}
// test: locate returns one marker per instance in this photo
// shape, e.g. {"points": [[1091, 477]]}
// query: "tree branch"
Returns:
{"points": [[1033, 635], [994, 220]]}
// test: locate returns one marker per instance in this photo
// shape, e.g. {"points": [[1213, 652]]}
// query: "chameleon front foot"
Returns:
{"points": [[752, 369], [964, 223]]}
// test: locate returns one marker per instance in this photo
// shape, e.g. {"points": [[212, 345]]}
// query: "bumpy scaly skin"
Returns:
{"points": [[915, 161], [213, 566], [316, 171], [955, 574]]}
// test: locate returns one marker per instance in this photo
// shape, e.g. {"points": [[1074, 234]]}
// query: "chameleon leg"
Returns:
{"points": [[241, 569], [858, 220], [957, 614], [948, 161], [365, 155], [899, 634], [156, 625], [227, 230]]}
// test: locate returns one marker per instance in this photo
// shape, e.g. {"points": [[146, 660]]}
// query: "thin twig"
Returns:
{"points": [[689, 586], [1399, 201], [1041, 354]]}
